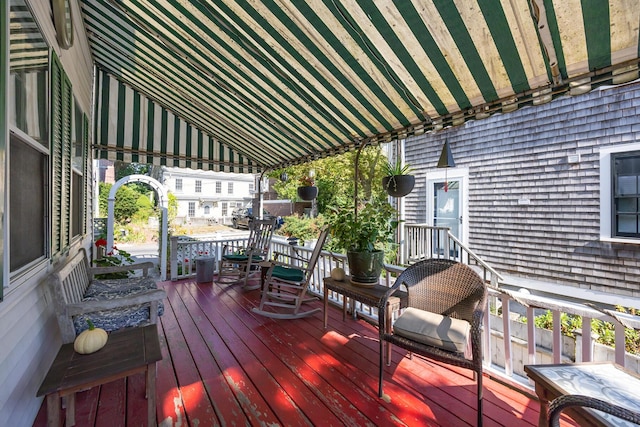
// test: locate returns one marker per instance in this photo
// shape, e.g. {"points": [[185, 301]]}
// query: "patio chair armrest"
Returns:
{"points": [[144, 266], [277, 254], [84, 307], [565, 401]]}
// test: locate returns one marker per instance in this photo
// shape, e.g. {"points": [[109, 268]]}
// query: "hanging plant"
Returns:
{"points": [[398, 182], [307, 189]]}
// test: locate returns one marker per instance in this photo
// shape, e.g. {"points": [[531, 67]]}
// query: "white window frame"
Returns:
{"points": [[218, 187], [178, 184], [230, 187], [606, 196], [191, 210], [198, 186]]}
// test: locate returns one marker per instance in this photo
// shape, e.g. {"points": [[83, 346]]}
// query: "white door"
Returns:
{"points": [[447, 196]]}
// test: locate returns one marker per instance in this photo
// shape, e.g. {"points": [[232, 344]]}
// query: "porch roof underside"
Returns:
{"points": [[246, 86]]}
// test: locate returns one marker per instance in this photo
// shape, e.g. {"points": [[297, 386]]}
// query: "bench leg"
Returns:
{"points": [[151, 394], [53, 410]]}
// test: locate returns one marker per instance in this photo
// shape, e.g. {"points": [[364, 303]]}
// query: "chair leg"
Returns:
{"points": [[479, 381], [381, 372]]}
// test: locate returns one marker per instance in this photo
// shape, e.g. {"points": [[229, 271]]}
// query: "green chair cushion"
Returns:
{"points": [[285, 273], [433, 329], [240, 257]]}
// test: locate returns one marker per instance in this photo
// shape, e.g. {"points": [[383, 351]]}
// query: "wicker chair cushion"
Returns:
{"points": [[434, 329], [291, 274]]}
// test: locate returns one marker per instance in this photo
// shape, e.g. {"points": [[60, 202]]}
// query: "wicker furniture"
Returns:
{"points": [[368, 295], [238, 267], [566, 401], [111, 304], [599, 383], [285, 287], [444, 297]]}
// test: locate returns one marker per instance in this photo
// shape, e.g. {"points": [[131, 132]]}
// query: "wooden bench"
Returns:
{"points": [[110, 303]]}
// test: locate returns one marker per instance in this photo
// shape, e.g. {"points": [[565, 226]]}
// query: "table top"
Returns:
{"points": [[606, 381], [370, 295], [126, 350]]}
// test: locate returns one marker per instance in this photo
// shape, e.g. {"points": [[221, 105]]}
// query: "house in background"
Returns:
{"points": [[206, 197], [548, 195], [106, 83]]}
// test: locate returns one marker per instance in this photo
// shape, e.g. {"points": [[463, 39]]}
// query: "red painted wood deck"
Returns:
{"points": [[225, 365]]}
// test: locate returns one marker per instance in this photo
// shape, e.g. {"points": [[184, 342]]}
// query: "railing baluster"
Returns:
{"points": [[557, 337], [587, 340], [620, 343], [531, 336], [506, 330]]}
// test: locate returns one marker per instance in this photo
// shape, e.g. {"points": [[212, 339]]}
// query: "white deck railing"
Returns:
{"points": [[526, 344]]}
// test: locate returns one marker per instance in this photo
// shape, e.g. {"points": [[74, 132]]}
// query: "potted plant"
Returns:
{"points": [[398, 182], [364, 238], [307, 189]]}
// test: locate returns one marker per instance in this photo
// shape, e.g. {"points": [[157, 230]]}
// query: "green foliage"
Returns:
{"points": [[396, 168], [334, 178], [373, 228], [114, 258], [304, 228], [604, 330], [103, 196], [123, 169], [144, 207], [125, 204]]}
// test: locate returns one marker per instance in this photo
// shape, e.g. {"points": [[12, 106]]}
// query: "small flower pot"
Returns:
{"points": [[308, 192]]}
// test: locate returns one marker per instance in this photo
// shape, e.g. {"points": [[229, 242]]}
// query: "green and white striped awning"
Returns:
{"points": [[261, 84]]}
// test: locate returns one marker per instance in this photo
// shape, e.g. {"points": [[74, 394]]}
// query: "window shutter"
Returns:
{"points": [[85, 171], [61, 99]]}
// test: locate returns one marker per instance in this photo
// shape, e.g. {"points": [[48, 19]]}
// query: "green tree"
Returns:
{"points": [[125, 204], [123, 169], [103, 196], [334, 178]]}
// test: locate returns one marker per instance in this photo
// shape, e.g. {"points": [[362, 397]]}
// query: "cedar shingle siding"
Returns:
{"points": [[524, 155]]}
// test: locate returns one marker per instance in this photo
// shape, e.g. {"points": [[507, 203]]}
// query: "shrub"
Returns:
{"points": [[604, 330]]}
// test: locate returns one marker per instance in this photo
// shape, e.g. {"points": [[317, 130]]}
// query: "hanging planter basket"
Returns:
{"points": [[308, 192], [398, 185]]}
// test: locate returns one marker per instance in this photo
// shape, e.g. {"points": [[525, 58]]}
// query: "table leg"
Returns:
{"points": [[326, 304], [151, 394], [53, 409], [71, 410], [544, 405], [387, 329], [344, 308]]}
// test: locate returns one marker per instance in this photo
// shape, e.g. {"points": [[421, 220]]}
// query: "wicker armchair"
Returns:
{"points": [[446, 303], [560, 403]]}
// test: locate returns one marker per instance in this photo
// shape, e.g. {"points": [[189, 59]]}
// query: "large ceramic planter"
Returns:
{"points": [[308, 192], [365, 267], [398, 185]]}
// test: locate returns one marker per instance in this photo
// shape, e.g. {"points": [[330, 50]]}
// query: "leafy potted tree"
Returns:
{"points": [[307, 189], [364, 238], [398, 182]]}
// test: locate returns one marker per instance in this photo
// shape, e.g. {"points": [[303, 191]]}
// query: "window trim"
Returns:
{"points": [[606, 193]]}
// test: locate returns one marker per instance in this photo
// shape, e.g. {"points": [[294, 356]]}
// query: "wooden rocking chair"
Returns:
{"points": [[239, 266], [286, 284]]}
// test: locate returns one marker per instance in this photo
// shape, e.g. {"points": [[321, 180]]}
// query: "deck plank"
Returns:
{"points": [[223, 364]]}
